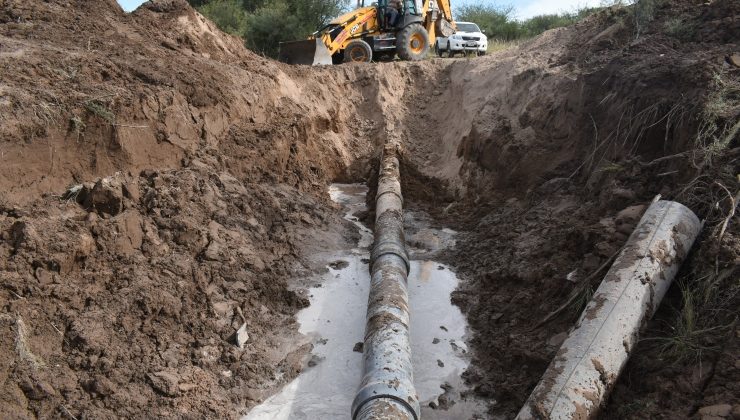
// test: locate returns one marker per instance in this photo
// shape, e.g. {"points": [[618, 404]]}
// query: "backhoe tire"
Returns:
{"points": [[358, 51], [412, 43]]}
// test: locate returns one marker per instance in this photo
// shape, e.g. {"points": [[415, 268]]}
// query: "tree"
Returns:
{"points": [[269, 25], [497, 22], [198, 3], [288, 20], [228, 15], [264, 24], [252, 5], [317, 13]]}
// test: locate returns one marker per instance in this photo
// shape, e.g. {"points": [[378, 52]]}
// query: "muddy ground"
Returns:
{"points": [[200, 172]]}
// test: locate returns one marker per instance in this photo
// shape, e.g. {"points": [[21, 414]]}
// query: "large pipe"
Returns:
{"points": [[387, 388], [592, 357]]}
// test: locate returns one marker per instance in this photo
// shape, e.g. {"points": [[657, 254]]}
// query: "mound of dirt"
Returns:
{"points": [[198, 174], [88, 91], [131, 298]]}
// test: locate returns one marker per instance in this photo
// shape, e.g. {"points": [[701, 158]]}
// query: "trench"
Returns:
{"points": [[334, 324]]}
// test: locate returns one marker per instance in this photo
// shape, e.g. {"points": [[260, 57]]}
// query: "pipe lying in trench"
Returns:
{"points": [[387, 388], [592, 357]]}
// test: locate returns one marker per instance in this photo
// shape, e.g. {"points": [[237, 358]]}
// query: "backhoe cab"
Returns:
{"points": [[365, 34]]}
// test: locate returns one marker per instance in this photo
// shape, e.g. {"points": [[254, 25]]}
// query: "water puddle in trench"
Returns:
{"points": [[335, 321]]}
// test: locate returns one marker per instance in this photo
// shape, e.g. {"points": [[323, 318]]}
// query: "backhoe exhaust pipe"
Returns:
{"points": [[387, 389], [590, 360]]}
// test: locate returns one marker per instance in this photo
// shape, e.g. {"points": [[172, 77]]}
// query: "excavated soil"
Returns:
{"points": [[162, 188]]}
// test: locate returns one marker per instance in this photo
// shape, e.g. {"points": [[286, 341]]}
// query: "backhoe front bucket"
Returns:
{"points": [[311, 52]]}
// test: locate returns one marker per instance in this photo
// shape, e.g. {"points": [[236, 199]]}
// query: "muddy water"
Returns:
{"points": [[335, 323]]}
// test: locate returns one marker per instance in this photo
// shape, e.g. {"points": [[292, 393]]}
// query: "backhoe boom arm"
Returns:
{"points": [[437, 16]]}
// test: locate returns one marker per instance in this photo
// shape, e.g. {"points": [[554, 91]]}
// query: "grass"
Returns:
{"points": [[720, 124], [68, 72], [644, 12], [610, 167], [633, 408], [77, 126], [46, 112], [679, 29], [685, 340], [582, 299], [696, 329], [496, 45], [99, 109]]}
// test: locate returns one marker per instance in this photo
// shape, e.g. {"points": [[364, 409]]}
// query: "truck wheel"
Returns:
{"points": [[338, 57], [437, 50], [412, 43], [358, 51]]}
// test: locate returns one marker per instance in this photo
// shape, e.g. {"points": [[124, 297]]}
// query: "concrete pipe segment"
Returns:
{"points": [[588, 363], [387, 388]]}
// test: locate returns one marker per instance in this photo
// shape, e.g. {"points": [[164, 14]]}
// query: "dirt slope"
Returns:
{"points": [[122, 298], [92, 90], [549, 153], [203, 170]]}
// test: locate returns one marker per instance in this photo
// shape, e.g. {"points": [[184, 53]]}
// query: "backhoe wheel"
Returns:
{"points": [[358, 51], [412, 43]]}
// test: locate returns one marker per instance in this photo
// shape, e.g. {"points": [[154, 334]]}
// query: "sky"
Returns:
{"points": [[528, 8], [524, 8], [129, 5]]}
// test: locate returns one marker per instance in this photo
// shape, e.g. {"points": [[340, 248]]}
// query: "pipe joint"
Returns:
{"points": [[368, 402], [386, 186], [390, 247]]}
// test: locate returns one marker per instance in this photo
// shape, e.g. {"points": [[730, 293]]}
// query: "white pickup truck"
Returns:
{"points": [[467, 38]]}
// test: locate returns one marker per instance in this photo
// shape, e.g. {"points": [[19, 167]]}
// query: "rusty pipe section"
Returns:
{"points": [[387, 389], [592, 357]]}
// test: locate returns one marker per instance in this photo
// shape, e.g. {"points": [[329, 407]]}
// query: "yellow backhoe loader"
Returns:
{"points": [[365, 34]]}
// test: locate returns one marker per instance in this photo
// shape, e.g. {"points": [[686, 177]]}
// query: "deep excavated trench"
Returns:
{"points": [[542, 158], [578, 380], [335, 321]]}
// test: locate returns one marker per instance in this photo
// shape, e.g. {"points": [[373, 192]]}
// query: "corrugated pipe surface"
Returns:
{"points": [[387, 388], [590, 360]]}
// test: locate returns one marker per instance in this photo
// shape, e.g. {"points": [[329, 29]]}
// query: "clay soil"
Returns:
{"points": [[162, 187]]}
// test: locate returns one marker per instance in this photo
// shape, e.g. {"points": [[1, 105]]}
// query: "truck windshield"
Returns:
{"points": [[467, 27]]}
